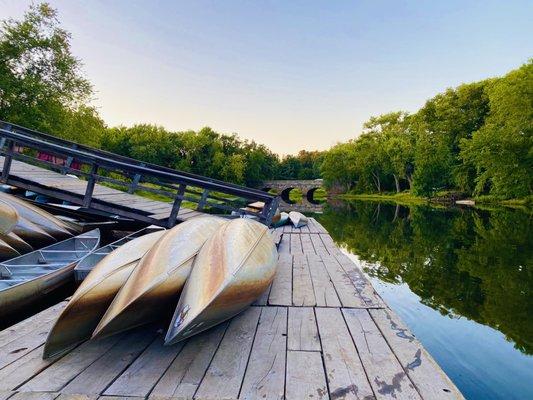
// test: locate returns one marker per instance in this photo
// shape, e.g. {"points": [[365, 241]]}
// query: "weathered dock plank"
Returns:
{"points": [[265, 373], [305, 376], [302, 330]]}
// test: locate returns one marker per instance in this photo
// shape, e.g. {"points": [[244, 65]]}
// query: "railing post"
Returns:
{"points": [[270, 211], [7, 161], [176, 206], [90, 186], [68, 162], [203, 200], [135, 182]]}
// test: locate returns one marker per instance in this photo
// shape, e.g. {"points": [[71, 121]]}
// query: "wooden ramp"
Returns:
{"points": [[40, 163], [319, 332], [129, 205]]}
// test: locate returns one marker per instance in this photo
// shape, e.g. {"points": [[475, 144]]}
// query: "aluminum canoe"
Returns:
{"points": [[233, 268], [88, 304], [298, 219], [152, 290], [27, 278], [87, 264]]}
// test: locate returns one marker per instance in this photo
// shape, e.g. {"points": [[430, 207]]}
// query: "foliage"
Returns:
{"points": [[41, 85], [476, 138]]}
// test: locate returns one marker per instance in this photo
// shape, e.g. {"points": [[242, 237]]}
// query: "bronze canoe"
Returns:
{"points": [[86, 307], [8, 217], [6, 251], [233, 268], [32, 233], [154, 286], [48, 222], [16, 242]]}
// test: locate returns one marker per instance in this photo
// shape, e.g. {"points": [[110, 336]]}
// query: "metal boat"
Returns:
{"points": [[88, 304], [46, 221], [280, 219], [87, 264], [152, 290], [233, 268], [27, 278], [8, 217], [298, 219]]}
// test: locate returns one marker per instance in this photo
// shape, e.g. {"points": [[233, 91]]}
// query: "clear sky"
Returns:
{"points": [[289, 74]]}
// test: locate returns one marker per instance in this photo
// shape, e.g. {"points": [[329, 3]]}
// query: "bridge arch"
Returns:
{"points": [[284, 187]]}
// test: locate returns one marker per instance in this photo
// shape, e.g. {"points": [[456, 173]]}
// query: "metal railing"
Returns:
{"points": [[130, 175]]}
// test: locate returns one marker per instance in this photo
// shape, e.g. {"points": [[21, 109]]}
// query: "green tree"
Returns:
{"points": [[41, 85], [502, 149]]}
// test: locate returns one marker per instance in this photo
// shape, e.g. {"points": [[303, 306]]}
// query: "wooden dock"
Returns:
{"points": [[319, 332]]}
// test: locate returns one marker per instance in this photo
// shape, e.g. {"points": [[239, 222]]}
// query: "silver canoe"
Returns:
{"points": [[27, 278], [88, 304], [87, 264], [153, 288], [298, 219], [233, 268]]}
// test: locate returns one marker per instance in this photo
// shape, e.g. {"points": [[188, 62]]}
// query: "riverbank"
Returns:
{"points": [[407, 198]]}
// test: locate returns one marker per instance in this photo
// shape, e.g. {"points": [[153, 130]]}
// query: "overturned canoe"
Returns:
{"points": [[32, 233], [154, 286], [16, 242], [280, 219], [232, 269], [46, 221], [7, 251], [26, 279], [78, 319], [8, 217], [298, 219]]}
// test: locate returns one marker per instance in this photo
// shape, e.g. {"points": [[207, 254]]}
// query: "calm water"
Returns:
{"points": [[460, 278]]}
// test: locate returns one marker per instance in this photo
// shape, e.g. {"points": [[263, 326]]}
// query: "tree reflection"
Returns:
{"points": [[463, 262]]}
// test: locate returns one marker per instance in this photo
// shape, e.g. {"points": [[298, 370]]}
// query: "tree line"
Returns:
{"points": [[475, 138]]}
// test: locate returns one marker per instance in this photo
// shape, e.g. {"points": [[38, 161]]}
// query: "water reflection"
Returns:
{"points": [[462, 262]]}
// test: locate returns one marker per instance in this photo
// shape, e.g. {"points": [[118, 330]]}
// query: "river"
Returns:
{"points": [[461, 278]]}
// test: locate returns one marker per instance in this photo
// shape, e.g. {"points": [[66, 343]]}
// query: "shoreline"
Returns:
{"points": [[406, 198]]}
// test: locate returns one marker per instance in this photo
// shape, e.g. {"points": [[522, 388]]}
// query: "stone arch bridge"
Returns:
{"points": [[284, 187]]}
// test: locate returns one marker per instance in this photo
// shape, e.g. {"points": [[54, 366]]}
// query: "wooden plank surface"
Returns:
{"points": [[225, 374], [265, 373], [386, 375], [302, 329], [345, 373], [305, 376]]}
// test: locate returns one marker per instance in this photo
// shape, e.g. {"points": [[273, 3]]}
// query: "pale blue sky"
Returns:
{"points": [[289, 74]]}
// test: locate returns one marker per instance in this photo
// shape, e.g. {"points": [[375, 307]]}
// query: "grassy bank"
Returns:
{"points": [[407, 198], [403, 198]]}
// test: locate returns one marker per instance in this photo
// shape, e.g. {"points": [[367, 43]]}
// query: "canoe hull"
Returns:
{"points": [[80, 317], [232, 269], [153, 289]]}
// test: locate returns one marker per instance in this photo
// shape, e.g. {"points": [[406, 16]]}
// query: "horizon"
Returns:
{"points": [[292, 76]]}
